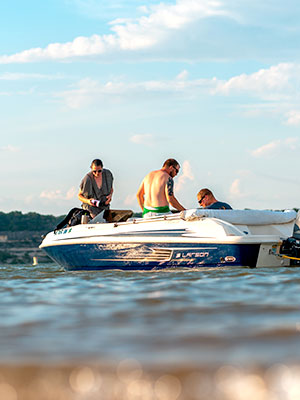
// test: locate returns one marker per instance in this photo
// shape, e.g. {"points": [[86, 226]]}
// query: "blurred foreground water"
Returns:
{"points": [[176, 334]]}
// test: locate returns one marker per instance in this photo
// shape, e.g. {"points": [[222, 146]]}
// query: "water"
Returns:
{"points": [[175, 334]]}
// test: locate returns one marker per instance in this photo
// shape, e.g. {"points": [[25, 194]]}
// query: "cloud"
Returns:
{"points": [[127, 35], [182, 28], [85, 92], [130, 200], [182, 76], [275, 86], [51, 194], [267, 149], [242, 186], [276, 89], [71, 193], [271, 83], [275, 147], [9, 149], [58, 194], [144, 139], [88, 91], [235, 190], [293, 117], [186, 174]]}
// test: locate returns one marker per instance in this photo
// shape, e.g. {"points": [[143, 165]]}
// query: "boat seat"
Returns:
{"points": [[117, 215]]}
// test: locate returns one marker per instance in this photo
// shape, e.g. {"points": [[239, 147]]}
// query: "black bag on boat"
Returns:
{"points": [[73, 218]]}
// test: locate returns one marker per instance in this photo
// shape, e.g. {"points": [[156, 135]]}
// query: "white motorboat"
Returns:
{"points": [[191, 238]]}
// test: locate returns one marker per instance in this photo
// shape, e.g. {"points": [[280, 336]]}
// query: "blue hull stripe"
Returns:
{"points": [[137, 256]]}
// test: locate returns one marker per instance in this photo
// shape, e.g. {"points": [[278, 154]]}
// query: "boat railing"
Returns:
{"points": [[140, 220], [168, 217]]}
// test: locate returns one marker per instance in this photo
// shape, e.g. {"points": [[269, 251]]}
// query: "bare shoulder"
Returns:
{"points": [[161, 175], [151, 176]]}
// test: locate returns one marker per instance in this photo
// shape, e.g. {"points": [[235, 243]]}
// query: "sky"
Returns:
{"points": [[213, 84]]}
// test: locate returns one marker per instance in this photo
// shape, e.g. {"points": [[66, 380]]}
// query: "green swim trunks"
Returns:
{"points": [[159, 210]]}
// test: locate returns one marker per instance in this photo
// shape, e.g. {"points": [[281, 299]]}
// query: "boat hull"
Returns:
{"points": [[148, 256], [244, 239]]}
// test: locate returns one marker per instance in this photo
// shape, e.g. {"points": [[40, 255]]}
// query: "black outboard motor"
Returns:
{"points": [[291, 246]]}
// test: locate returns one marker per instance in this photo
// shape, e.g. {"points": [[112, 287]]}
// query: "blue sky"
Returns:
{"points": [[214, 84]]}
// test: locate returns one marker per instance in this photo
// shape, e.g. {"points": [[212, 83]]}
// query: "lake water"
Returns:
{"points": [[175, 334]]}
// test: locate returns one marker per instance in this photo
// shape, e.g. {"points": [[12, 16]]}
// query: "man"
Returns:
{"points": [[156, 192], [207, 200], [96, 189]]}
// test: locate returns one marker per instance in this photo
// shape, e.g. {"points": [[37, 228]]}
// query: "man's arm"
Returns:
{"points": [[84, 189], [109, 197], [110, 182], [140, 195], [175, 203], [170, 195], [84, 199]]}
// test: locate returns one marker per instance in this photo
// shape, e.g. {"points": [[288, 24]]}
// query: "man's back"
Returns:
{"points": [[155, 189]]}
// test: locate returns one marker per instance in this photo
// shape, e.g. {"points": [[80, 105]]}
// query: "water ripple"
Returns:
{"points": [[192, 317]]}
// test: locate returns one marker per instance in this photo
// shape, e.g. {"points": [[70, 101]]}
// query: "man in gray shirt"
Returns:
{"points": [[96, 189]]}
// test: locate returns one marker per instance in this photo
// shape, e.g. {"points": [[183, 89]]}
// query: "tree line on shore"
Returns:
{"points": [[17, 221]]}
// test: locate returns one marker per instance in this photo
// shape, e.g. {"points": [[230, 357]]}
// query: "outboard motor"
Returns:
{"points": [[296, 233], [291, 246]]}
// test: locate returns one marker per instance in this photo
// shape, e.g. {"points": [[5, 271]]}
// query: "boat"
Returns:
{"points": [[189, 239]]}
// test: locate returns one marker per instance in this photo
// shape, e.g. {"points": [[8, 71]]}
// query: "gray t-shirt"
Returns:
{"points": [[90, 190]]}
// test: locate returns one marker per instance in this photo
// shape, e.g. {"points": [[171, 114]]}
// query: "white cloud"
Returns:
{"points": [[186, 174], [182, 76], [130, 200], [51, 194], [241, 188], [58, 194], [293, 117], [9, 149], [127, 36], [275, 147], [82, 95], [88, 91], [276, 89], [274, 83], [71, 193], [235, 190], [267, 149], [145, 139], [276, 86]]}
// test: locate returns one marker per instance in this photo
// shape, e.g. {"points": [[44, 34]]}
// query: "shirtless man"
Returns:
{"points": [[156, 192]]}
